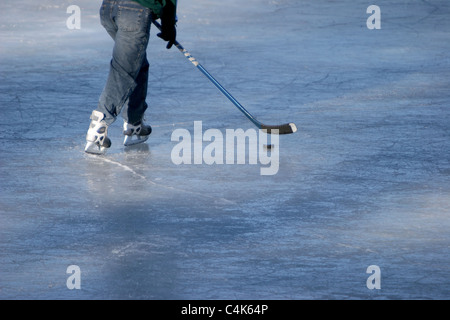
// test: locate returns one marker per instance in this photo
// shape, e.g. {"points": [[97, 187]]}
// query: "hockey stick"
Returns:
{"points": [[279, 129]]}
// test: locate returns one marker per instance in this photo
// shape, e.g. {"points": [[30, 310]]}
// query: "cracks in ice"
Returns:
{"points": [[125, 167], [435, 9], [199, 194], [317, 81]]}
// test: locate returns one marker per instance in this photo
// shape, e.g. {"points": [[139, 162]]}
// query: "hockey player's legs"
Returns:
{"points": [[135, 107], [128, 23], [134, 129]]}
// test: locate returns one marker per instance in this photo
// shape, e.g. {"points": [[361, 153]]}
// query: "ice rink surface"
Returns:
{"points": [[365, 181]]}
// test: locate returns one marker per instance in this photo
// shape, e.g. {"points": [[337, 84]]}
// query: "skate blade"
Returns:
{"points": [[94, 148], [133, 140]]}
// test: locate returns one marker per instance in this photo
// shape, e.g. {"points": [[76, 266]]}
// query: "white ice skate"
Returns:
{"points": [[135, 134], [96, 139]]}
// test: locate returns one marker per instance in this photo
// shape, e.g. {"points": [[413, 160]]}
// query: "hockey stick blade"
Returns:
{"points": [[287, 128]]}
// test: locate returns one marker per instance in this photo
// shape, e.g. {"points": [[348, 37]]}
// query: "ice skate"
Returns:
{"points": [[135, 134], [96, 139]]}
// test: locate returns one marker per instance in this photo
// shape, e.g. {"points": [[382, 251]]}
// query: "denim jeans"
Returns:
{"points": [[128, 23]]}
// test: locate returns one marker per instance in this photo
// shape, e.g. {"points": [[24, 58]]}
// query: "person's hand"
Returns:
{"points": [[168, 33], [168, 21]]}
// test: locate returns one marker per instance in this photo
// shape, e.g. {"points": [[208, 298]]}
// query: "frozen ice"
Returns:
{"points": [[365, 180]]}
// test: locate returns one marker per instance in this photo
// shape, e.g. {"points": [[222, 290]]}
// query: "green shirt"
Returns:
{"points": [[156, 5]]}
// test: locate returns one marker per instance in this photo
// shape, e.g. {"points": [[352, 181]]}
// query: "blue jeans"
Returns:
{"points": [[128, 23]]}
